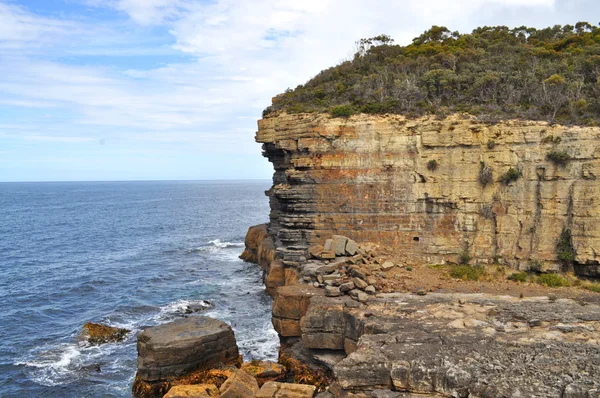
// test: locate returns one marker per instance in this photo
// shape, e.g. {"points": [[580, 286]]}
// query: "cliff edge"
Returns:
{"points": [[434, 191]]}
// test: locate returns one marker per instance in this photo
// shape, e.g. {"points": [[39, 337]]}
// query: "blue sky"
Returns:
{"points": [[172, 89]]}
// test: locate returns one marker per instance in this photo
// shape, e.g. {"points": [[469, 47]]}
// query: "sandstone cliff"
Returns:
{"points": [[415, 185]]}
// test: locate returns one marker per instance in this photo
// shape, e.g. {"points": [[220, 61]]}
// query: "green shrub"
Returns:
{"points": [[552, 280], [518, 277], [485, 174], [464, 257], [467, 272], [486, 73], [594, 287], [341, 111], [511, 175], [565, 251], [409, 268], [432, 165], [560, 158], [491, 144]]}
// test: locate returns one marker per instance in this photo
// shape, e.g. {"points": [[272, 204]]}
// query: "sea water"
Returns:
{"points": [[127, 254]]}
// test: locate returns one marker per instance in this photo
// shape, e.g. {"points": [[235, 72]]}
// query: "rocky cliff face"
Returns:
{"points": [[432, 189]]}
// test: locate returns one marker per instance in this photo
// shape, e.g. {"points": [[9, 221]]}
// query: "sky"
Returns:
{"points": [[172, 89]]}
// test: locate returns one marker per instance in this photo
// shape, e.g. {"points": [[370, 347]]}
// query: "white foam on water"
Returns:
{"points": [[183, 307], [63, 363]]}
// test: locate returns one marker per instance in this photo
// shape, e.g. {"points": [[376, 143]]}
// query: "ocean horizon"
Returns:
{"points": [[128, 254]]}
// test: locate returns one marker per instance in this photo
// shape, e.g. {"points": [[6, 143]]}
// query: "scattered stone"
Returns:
{"points": [[388, 265], [355, 259], [421, 292], [263, 369], [339, 245], [346, 287], [358, 295], [371, 280], [96, 334], [320, 278], [193, 391], [535, 323], [331, 277], [332, 291], [370, 289], [351, 247], [315, 251], [327, 255], [239, 384], [307, 278], [328, 245], [327, 269], [316, 284], [359, 283], [358, 272], [274, 389], [185, 345]]}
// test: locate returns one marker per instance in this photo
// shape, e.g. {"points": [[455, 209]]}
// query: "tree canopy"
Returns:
{"points": [[494, 73]]}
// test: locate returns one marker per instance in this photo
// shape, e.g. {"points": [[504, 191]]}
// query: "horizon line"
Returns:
{"points": [[143, 180]]}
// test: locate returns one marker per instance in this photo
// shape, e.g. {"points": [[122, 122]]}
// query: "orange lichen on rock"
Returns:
{"points": [[95, 334]]}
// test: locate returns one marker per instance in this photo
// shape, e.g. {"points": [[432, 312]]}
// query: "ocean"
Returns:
{"points": [[127, 254]]}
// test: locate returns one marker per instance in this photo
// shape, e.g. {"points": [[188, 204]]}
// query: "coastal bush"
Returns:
{"points": [[552, 280], [467, 272], [565, 251], [494, 73], [341, 111], [518, 277], [559, 158], [485, 174], [511, 175], [491, 144], [432, 165]]}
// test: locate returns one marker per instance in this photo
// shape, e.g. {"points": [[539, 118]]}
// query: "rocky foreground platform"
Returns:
{"points": [[430, 344]]}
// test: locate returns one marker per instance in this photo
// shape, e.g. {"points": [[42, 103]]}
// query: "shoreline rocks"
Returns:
{"points": [[96, 334], [185, 345]]}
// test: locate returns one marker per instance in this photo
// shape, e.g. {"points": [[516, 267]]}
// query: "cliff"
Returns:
{"points": [[435, 191]]}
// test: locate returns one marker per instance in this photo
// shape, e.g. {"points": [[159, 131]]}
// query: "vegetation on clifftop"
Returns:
{"points": [[494, 72]]}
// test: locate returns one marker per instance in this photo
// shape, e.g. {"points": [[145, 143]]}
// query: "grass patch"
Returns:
{"points": [[518, 277], [593, 287], [552, 280], [467, 272]]}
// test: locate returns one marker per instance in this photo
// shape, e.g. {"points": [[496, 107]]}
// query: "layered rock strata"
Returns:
{"points": [[177, 348], [434, 190]]}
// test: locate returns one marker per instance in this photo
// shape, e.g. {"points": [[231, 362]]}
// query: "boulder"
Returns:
{"points": [[96, 334], [290, 305], [351, 247], [386, 266], [179, 347], [240, 384], [339, 244], [332, 291], [193, 391], [328, 245], [286, 390], [263, 369]]}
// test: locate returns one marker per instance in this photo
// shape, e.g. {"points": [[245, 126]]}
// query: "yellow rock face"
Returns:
{"points": [[193, 391], [414, 185]]}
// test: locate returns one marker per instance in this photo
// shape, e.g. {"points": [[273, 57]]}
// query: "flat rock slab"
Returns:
{"points": [[285, 390], [240, 384], [466, 345], [193, 391], [179, 347]]}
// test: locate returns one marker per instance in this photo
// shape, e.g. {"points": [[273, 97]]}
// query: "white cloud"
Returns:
{"points": [[19, 27]]}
